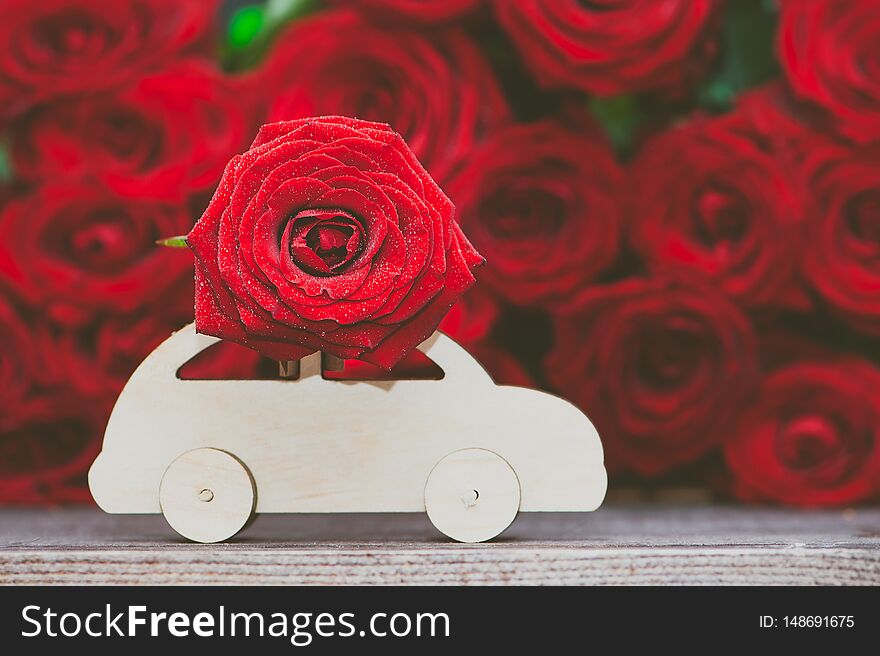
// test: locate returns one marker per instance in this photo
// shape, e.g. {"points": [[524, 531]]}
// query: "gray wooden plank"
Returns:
{"points": [[619, 544]]}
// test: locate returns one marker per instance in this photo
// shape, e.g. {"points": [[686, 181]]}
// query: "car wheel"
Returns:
{"points": [[207, 495], [472, 495]]}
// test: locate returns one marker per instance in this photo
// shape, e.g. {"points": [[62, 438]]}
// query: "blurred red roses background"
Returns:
{"points": [[679, 202]]}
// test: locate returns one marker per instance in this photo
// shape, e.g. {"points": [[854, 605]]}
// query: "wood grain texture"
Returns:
{"points": [[472, 495], [314, 445], [207, 495], [615, 545]]}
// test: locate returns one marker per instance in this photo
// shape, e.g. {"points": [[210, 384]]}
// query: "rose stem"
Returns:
{"points": [[331, 362], [288, 368]]}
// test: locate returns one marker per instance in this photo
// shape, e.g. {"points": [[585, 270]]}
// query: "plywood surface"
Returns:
{"points": [[319, 446], [617, 544]]}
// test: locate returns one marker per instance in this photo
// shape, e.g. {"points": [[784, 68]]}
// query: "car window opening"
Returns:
{"points": [[230, 361]]}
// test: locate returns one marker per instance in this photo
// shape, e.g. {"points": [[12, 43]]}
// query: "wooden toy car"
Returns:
{"points": [[208, 454]]}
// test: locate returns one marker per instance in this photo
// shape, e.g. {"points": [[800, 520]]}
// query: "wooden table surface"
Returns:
{"points": [[619, 544]]}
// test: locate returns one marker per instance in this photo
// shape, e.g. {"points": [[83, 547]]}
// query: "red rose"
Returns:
{"points": [[812, 437], [718, 199], [472, 317], [167, 133], [542, 202], [59, 47], [18, 364], [661, 369], [828, 51], [46, 453], [72, 249], [428, 12], [328, 235], [842, 252], [438, 93], [609, 48]]}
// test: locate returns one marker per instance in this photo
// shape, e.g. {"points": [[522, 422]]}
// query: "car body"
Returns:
{"points": [[319, 445]]}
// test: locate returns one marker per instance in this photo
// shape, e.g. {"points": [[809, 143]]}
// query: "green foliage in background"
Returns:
{"points": [[6, 172], [245, 25], [619, 116], [251, 28], [747, 56]]}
